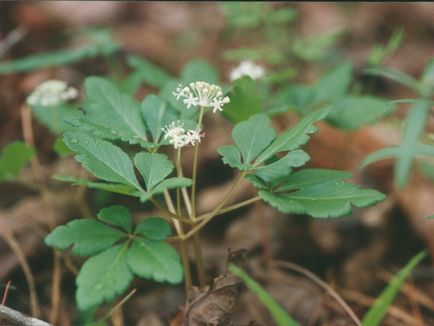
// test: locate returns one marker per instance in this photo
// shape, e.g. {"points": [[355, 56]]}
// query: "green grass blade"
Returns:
{"points": [[279, 314], [379, 309]]}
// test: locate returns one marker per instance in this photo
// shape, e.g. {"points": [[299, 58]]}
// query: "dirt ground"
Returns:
{"points": [[354, 256]]}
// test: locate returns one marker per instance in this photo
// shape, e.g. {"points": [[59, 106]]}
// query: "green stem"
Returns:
{"points": [[216, 210], [200, 265], [183, 246], [194, 173], [178, 172], [231, 207]]}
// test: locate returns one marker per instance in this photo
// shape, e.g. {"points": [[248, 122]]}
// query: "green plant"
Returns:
{"points": [[412, 143], [280, 316], [379, 309], [116, 136]]}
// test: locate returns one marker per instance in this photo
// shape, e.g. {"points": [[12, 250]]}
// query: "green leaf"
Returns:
{"points": [[280, 316], [153, 228], [169, 183], [244, 14], [155, 260], [61, 149], [282, 16], [351, 112], [199, 70], [116, 215], [14, 158], [105, 160], [52, 59], [108, 107], [282, 167], [156, 114], [245, 100], [53, 116], [253, 136], [379, 309], [319, 193], [103, 277], [395, 75], [334, 84], [153, 167], [146, 71], [294, 137], [231, 156], [111, 187], [410, 146], [314, 47], [87, 237]]}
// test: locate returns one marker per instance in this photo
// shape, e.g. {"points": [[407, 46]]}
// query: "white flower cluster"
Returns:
{"points": [[247, 68], [180, 137], [202, 94], [52, 92]]}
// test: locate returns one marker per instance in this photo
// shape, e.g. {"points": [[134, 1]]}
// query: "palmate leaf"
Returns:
{"points": [[13, 159], [245, 100], [53, 117], [251, 138], [146, 72], [274, 171], [119, 113], [319, 193], [154, 168], [111, 187], [155, 260], [294, 137], [157, 114], [199, 70], [105, 160], [353, 111], [153, 228], [103, 277], [117, 253], [116, 215], [87, 236]]}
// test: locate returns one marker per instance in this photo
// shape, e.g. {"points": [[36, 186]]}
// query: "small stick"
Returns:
{"points": [[19, 319], [322, 284], [13, 243]]}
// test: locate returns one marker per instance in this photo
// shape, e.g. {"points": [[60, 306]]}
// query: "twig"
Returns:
{"points": [[10, 239], [27, 128], [11, 39], [321, 284], [5, 295], [118, 305], [19, 319], [393, 311]]}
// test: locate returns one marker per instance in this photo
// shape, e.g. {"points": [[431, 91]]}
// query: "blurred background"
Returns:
{"points": [[298, 42]]}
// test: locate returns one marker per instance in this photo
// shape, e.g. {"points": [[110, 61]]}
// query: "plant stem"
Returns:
{"points": [[215, 211], [196, 238], [231, 207], [194, 173], [178, 172], [183, 247]]}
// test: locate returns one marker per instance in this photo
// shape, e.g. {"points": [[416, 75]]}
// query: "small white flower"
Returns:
{"points": [[201, 94], [51, 93], [174, 129], [179, 137], [247, 68], [193, 136]]}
